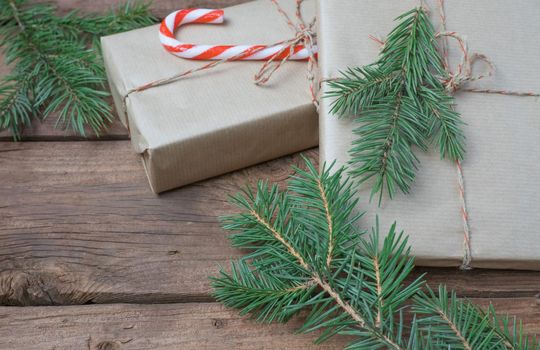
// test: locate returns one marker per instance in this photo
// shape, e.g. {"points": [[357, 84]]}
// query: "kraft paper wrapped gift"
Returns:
{"points": [[214, 121], [502, 164]]}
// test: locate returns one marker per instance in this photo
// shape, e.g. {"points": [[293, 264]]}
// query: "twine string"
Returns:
{"points": [[455, 82], [304, 34], [452, 84]]}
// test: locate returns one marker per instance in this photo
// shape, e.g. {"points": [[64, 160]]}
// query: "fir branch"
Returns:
{"points": [[282, 242], [511, 333], [363, 292], [444, 123], [118, 19], [387, 270], [263, 292], [325, 216], [15, 107], [454, 323], [400, 103], [359, 88], [58, 64]]}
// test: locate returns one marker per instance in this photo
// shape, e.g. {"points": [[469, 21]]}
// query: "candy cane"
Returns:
{"points": [[218, 52]]}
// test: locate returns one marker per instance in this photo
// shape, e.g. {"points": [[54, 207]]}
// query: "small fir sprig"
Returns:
{"points": [[400, 103], [57, 64], [306, 253]]}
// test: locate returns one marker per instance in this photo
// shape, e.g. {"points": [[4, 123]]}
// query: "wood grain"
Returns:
{"points": [[80, 225], [146, 327], [526, 309], [47, 131], [194, 326], [484, 282]]}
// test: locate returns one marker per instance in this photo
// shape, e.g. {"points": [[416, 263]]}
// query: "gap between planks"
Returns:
{"points": [[176, 326], [80, 225], [149, 327]]}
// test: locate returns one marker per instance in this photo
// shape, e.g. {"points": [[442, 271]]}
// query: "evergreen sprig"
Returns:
{"points": [[400, 103], [57, 64], [306, 253]]}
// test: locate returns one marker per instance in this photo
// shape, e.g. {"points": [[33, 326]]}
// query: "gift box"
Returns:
{"points": [[502, 164], [217, 120]]}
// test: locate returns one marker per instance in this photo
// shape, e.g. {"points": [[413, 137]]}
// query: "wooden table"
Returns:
{"points": [[99, 262]]}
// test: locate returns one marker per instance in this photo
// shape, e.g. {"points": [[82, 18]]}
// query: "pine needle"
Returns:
{"points": [[364, 292], [400, 104], [57, 64]]}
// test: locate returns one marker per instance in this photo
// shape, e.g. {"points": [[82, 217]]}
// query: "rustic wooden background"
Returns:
{"points": [[99, 262]]}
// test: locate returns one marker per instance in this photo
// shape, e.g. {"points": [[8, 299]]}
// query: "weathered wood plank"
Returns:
{"points": [[175, 326], [149, 327], [79, 224], [485, 283], [47, 131], [526, 309]]}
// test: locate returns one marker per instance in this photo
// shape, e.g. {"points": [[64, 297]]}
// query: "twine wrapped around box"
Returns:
{"points": [[429, 207], [302, 46], [218, 121], [462, 75]]}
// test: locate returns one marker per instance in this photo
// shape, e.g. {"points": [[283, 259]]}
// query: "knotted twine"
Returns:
{"points": [[304, 34], [454, 83]]}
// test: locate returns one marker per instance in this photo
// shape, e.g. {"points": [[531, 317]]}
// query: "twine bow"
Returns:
{"points": [[304, 34], [457, 81], [464, 72]]}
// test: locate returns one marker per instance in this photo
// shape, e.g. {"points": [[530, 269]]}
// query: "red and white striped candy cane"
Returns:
{"points": [[219, 52]]}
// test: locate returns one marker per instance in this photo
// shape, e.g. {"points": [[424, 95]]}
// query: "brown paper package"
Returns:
{"points": [[218, 120], [502, 164]]}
